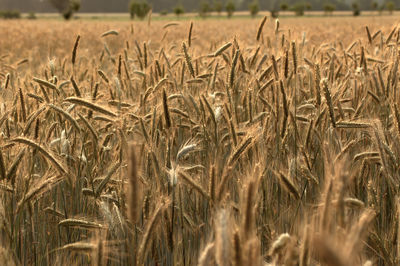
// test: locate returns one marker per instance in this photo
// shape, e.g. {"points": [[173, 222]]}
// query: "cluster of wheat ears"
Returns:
{"points": [[276, 153]]}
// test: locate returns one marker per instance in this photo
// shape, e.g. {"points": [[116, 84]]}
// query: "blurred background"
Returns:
{"points": [[204, 8]]}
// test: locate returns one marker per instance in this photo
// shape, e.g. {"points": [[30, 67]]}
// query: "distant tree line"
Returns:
{"points": [[140, 8], [104, 6]]}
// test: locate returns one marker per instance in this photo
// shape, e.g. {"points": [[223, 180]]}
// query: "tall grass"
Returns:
{"points": [[152, 144]]}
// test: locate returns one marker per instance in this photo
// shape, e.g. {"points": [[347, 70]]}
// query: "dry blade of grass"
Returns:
{"points": [[31, 119], [4, 117], [150, 229], [397, 116], [3, 171], [90, 127], [14, 166], [76, 88], [193, 183], [288, 185], [133, 185], [344, 124], [45, 94], [42, 150], [106, 179], [110, 32], [46, 84], [67, 116], [389, 38], [91, 106], [237, 153], [171, 24], [80, 223], [38, 189], [79, 247], [186, 149]]}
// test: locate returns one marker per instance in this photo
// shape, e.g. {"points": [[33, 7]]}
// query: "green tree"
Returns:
{"points": [[381, 8], [179, 10], [356, 9], [274, 13], [230, 8], [284, 6], [329, 8], [390, 7], [254, 8], [273, 7], [31, 15], [204, 9], [298, 9], [139, 9], [10, 14], [374, 5], [218, 7], [66, 7]]}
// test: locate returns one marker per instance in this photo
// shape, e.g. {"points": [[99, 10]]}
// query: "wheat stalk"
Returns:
{"points": [[75, 49], [260, 28], [89, 105], [188, 59]]}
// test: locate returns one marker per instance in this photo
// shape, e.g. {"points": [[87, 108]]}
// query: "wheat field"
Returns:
{"points": [[243, 142]]}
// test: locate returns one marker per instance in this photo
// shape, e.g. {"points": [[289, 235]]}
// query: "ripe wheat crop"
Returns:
{"points": [[212, 143]]}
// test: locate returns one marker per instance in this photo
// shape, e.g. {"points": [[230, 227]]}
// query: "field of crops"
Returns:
{"points": [[243, 142]]}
